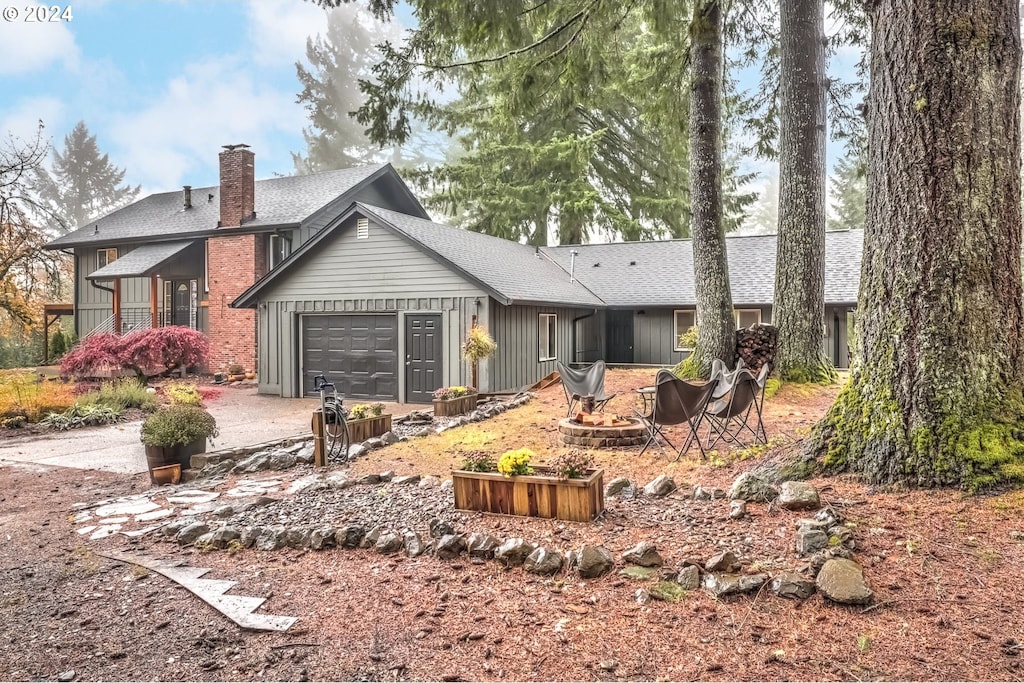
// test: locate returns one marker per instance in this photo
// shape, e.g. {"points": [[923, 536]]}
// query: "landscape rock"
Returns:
{"points": [[248, 534], [439, 528], [793, 586], [723, 562], [405, 480], [370, 539], [369, 479], [254, 463], [737, 509], [389, 543], [271, 538], [429, 482], [752, 489], [66, 676], [707, 493], [615, 486], [414, 545], [841, 536], [731, 584], [338, 481], [642, 596], [809, 541], [513, 552], [660, 487], [224, 511], [829, 516], [689, 578], [305, 454], [841, 580], [282, 460], [387, 475], [350, 536], [644, 554], [373, 443], [323, 537], [543, 561], [449, 546], [594, 561], [223, 537], [389, 438], [190, 533], [356, 450], [798, 495], [172, 528], [482, 545], [297, 537], [218, 468]]}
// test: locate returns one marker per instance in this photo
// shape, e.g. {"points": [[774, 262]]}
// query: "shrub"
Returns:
{"points": [[478, 344], [177, 426], [25, 394], [478, 461], [157, 351], [83, 415], [121, 393], [59, 344], [183, 394], [361, 411], [573, 464], [515, 462], [448, 393]]}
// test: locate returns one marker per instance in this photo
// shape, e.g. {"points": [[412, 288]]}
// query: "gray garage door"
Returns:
{"points": [[359, 353]]}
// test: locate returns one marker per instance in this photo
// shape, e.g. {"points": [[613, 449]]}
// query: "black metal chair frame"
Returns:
{"points": [[731, 422], [588, 381], [668, 388]]}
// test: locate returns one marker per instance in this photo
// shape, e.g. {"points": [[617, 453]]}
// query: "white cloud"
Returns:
{"points": [[278, 29], [27, 47], [22, 120], [175, 139]]}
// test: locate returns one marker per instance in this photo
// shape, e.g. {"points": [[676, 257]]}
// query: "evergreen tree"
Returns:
{"points": [[849, 190], [81, 185], [764, 214]]}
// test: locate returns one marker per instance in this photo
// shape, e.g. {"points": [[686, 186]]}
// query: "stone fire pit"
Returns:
{"points": [[602, 436]]}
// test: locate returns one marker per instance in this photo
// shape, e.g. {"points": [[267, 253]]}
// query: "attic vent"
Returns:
{"points": [[632, 263], [597, 265], [362, 229]]}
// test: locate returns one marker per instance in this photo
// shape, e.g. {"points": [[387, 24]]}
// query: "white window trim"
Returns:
{"points": [[106, 253], [552, 336], [737, 311], [677, 333], [206, 266], [270, 251]]}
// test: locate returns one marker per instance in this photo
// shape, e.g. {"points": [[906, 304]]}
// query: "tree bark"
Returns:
{"points": [[716, 329], [936, 398], [799, 308]]}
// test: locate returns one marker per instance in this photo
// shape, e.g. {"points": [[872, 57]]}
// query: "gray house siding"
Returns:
{"points": [[382, 273], [516, 330], [375, 194]]}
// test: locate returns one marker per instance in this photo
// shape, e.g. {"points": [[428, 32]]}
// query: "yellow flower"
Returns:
{"points": [[515, 462]]}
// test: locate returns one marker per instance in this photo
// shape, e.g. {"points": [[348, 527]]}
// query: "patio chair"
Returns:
{"points": [[729, 415], [588, 381], [675, 402]]}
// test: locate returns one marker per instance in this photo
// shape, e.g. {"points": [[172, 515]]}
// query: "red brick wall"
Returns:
{"points": [[237, 185], [235, 264]]}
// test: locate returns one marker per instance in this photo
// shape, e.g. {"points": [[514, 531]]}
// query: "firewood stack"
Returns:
{"points": [[757, 345]]}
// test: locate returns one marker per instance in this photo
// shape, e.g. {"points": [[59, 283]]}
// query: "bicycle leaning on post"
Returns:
{"points": [[335, 428]]}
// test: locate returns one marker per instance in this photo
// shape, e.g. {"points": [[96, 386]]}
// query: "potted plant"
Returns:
{"points": [[173, 434], [455, 400], [570, 488], [478, 345], [367, 420]]}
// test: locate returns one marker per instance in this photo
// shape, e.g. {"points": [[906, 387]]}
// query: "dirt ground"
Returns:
{"points": [[944, 567]]}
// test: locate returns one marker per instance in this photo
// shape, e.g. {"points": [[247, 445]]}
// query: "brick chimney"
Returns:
{"points": [[237, 186]]}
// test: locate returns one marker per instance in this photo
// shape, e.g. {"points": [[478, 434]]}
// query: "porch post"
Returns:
{"points": [[117, 305], [153, 291]]}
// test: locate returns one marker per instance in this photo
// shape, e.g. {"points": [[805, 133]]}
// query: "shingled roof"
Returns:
{"points": [[660, 273], [278, 202]]}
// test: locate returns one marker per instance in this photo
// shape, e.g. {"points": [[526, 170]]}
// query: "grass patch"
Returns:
{"points": [[24, 394], [1012, 501], [122, 393]]}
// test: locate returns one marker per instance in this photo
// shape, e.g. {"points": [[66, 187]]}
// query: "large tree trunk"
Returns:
{"points": [[716, 338], [799, 310], [936, 398]]}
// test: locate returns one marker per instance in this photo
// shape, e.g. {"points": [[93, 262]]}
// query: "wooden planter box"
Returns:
{"points": [[455, 406], [368, 427], [533, 495]]}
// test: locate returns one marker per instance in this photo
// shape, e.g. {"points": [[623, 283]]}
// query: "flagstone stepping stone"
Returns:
{"points": [[199, 509], [155, 514], [304, 483], [105, 530], [142, 532], [192, 497], [86, 529], [125, 507], [82, 517], [116, 520]]}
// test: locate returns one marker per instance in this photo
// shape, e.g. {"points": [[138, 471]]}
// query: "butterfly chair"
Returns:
{"points": [[588, 381], [675, 402], [731, 412]]}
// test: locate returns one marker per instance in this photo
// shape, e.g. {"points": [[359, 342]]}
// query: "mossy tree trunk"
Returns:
{"points": [[799, 308], [936, 396], [717, 330]]}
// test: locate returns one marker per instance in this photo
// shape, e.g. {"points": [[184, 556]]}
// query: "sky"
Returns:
{"points": [[163, 84]]}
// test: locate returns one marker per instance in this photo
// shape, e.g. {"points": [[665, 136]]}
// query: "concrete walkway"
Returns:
{"points": [[243, 416]]}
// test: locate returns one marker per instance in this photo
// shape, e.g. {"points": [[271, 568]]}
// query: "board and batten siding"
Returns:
{"points": [[516, 330], [382, 273]]}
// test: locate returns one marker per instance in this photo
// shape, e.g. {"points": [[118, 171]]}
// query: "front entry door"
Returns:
{"points": [[423, 356], [181, 304], [619, 340]]}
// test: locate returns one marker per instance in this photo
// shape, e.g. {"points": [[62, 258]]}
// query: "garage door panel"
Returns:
{"points": [[356, 352]]}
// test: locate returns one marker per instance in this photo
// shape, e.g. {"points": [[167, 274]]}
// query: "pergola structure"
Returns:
{"points": [[52, 313]]}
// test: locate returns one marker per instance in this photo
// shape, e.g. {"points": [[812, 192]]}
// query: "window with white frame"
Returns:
{"points": [[682, 322], [548, 324], [278, 249], [105, 256], [747, 317]]}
